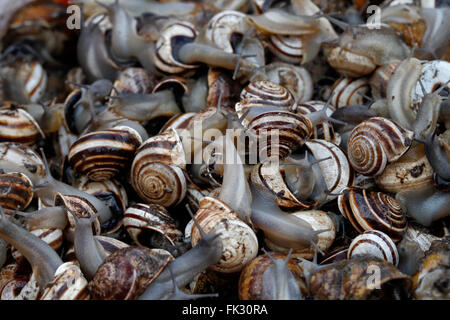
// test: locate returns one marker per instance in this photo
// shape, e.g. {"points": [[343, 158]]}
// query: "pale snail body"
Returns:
{"points": [[375, 243], [275, 278], [102, 154], [17, 125], [348, 91], [371, 210], [375, 142]]}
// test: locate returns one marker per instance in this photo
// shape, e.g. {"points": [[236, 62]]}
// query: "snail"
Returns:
{"points": [[101, 155], [371, 210], [425, 205], [272, 276], [17, 191], [43, 259], [348, 91], [207, 252], [375, 142], [17, 125]]}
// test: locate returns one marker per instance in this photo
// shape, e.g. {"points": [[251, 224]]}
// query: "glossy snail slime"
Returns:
{"points": [[251, 150]]}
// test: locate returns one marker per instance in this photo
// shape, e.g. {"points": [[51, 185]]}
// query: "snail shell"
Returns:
{"points": [[17, 157], [374, 243], [133, 80], [28, 82], [323, 130], [412, 171], [68, 284], [353, 279], [380, 79], [375, 142], [350, 64], [157, 170], [252, 283], [347, 91], [126, 273], [141, 220], [239, 242], [337, 172], [370, 210], [224, 26], [287, 48], [101, 155], [165, 55], [269, 114], [319, 220], [268, 175], [21, 286], [179, 122], [79, 206], [296, 79], [16, 191], [431, 282], [17, 125]]}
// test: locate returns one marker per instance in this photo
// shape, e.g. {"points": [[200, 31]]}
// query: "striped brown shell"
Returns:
{"points": [[349, 63], [17, 125], [353, 279], [101, 155], [287, 48], [16, 191], [264, 93], [374, 243], [125, 274], [375, 142], [323, 130], [180, 121], [142, 220], [133, 80], [165, 55], [347, 91], [371, 210], [239, 241], [67, 284], [251, 280]]}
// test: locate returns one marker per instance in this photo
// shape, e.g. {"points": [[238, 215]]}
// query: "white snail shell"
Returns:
{"points": [[17, 125], [347, 91], [375, 243], [240, 244]]}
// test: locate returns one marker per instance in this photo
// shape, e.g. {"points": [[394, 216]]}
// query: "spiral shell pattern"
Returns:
{"points": [[287, 48], [52, 236], [347, 91], [158, 183], [125, 274], [67, 284], [239, 242], [264, 94], [140, 218], [165, 60], [16, 191], [374, 243], [32, 79], [375, 142], [23, 159], [370, 210], [103, 154], [17, 125]]}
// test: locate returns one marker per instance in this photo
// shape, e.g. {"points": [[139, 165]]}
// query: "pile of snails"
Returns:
{"points": [[254, 150]]}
